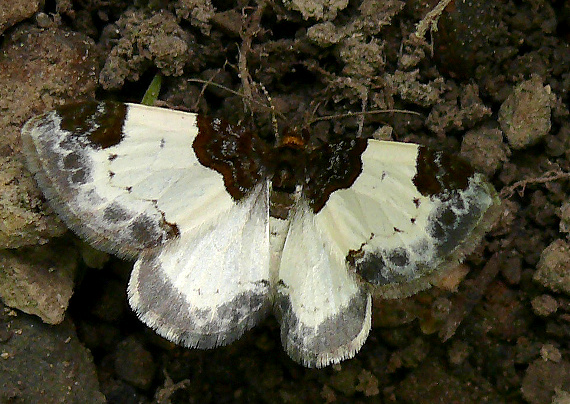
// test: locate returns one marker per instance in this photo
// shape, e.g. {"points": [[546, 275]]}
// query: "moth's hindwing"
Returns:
{"points": [[324, 311], [409, 215], [209, 286]]}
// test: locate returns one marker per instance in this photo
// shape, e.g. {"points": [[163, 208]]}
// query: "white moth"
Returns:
{"points": [[225, 228]]}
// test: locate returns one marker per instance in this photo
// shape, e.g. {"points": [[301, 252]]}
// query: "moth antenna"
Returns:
{"points": [[253, 26], [206, 83], [313, 112], [229, 90], [273, 111], [364, 113]]}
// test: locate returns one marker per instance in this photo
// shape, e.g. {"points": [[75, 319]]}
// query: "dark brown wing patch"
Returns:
{"points": [[330, 167], [439, 173], [100, 122], [233, 151]]}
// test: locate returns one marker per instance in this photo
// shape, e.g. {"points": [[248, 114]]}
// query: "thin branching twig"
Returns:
{"points": [[550, 176]]}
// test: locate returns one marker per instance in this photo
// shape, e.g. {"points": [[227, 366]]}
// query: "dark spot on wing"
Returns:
{"points": [[447, 217], [384, 267], [371, 269], [355, 255], [399, 257], [115, 213], [79, 176], [438, 173], [74, 168], [73, 160], [99, 122], [143, 229]]}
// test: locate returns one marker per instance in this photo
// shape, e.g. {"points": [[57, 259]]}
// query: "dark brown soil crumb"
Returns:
{"points": [[490, 83]]}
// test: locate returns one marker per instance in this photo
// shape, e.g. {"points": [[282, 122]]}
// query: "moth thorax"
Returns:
{"points": [[288, 166], [294, 138]]}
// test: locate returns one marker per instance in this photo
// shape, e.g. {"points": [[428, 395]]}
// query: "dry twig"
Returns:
{"points": [[553, 175]]}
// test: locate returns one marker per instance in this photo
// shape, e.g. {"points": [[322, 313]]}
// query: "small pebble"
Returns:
{"points": [[549, 352], [525, 115], [544, 305], [553, 268]]}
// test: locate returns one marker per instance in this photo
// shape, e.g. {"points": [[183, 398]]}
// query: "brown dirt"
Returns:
{"points": [[499, 336]]}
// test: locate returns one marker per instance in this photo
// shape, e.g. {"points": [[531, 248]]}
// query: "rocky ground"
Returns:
{"points": [[484, 79]]}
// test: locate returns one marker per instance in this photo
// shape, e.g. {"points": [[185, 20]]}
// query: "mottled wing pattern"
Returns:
{"points": [[127, 178], [104, 167], [409, 213]]}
